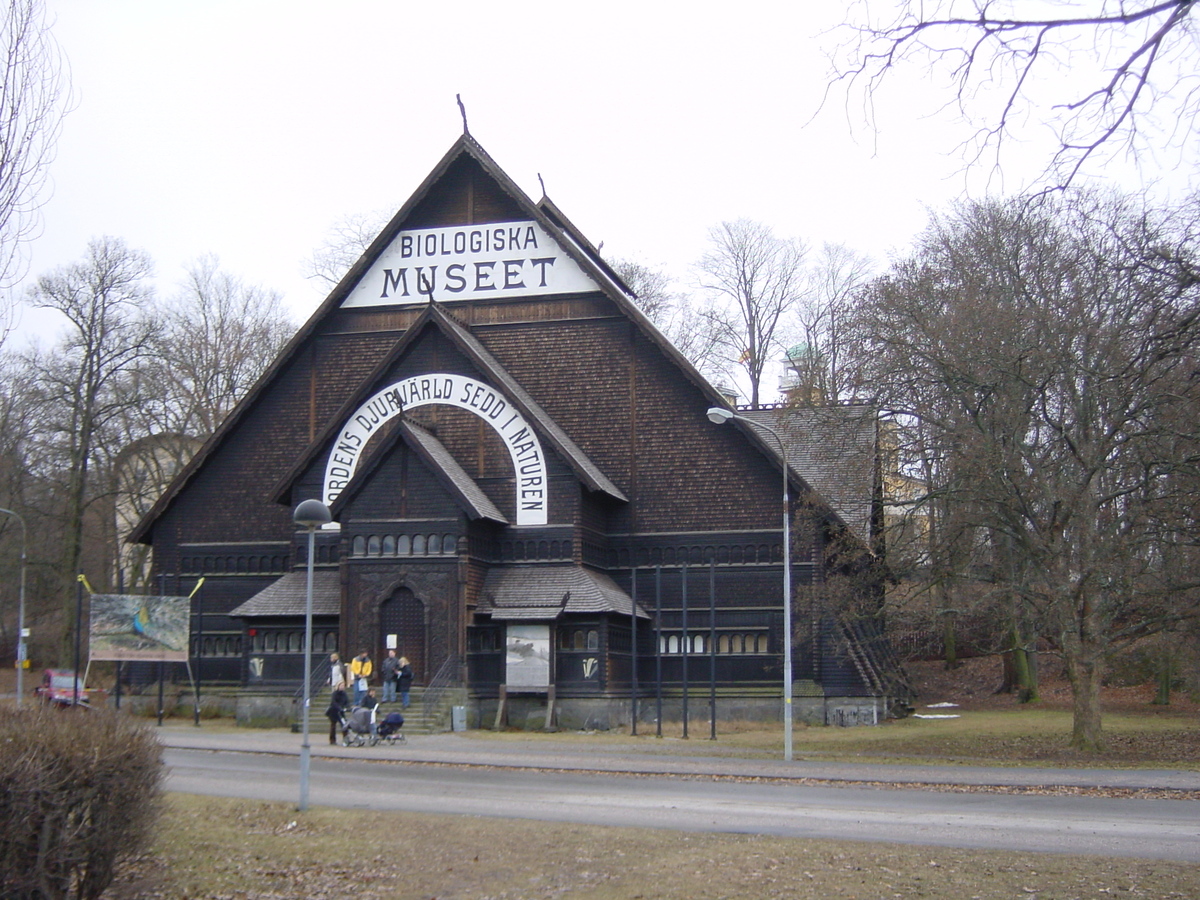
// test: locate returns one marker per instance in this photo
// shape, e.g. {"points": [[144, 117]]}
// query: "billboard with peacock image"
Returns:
{"points": [[139, 627]]}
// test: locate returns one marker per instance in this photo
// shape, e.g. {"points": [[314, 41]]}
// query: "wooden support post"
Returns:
{"points": [[550, 718], [501, 709]]}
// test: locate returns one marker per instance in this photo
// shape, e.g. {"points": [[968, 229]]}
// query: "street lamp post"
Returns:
{"points": [[21, 647], [719, 416], [310, 514]]}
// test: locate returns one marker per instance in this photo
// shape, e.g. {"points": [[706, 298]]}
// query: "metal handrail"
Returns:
{"points": [[442, 679], [318, 678]]}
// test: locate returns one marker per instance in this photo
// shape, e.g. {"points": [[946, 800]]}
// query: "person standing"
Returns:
{"points": [[391, 671], [361, 669], [404, 680], [337, 674]]}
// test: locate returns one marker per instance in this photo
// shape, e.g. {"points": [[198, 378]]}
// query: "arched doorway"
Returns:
{"points": [[403, 615]]}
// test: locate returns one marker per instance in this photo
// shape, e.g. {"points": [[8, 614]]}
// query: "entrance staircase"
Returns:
{"points": [[420, 717], [429, 707]]}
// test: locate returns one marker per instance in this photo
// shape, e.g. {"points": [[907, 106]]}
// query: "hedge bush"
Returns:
{"points": [[79, 791]]}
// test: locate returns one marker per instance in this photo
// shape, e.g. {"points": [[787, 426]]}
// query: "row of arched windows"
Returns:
{"points": [[736, 554], [222, 565], [726, 643], [292, 642], [536, 549], [579, 639], [404, 545], [217, 645]]}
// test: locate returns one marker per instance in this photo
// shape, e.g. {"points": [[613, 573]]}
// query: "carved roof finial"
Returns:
{"points": [[462, 109]]}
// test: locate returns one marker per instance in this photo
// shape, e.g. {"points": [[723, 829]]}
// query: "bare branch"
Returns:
{"points": [[1005, 68]]}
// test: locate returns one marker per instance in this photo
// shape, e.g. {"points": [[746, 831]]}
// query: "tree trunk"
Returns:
{"points": [[949, 640], [1085, 676], [1165, 677], [1025, 675]]}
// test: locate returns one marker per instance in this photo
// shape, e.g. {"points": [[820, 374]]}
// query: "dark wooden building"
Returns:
{"points": [[526, 491]]}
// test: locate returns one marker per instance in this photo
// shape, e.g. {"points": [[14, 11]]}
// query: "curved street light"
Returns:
{"points": [[719, 416], [21, 648], [310, 514]]}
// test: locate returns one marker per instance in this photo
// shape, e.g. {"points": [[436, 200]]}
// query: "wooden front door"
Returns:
{"points": [[403, 615]]}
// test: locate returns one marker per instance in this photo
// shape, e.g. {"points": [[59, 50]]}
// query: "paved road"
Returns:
{"points": [[671, 792]]}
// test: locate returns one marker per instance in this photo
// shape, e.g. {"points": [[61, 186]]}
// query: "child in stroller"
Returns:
{"points": [[358, 728], [389, 729]]}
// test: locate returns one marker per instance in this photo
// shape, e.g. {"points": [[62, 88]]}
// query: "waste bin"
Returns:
{"points": [[458, 718]]}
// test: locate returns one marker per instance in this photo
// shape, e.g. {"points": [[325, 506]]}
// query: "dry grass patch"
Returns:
{"points": [[227, 849]]}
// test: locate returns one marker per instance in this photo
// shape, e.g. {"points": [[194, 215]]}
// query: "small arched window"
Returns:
{"points": [[404, 545], [449, 543], [359, 547], [418, 545], [593, 640], [389, 545], [373, 545]]}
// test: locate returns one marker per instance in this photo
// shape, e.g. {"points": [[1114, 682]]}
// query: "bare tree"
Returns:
{"points": [[215, 339], [652, 288], [1047, 351], [346, 241], [86, 383], [1094, 72], [753, 279], [820, 367], [32, 88], [217, 336]]}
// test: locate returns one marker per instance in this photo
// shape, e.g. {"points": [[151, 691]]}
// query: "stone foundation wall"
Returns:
{"points": [[528, 712]]}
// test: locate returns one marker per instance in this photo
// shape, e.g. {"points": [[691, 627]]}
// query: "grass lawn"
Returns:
{"points": [[1020, 736]]}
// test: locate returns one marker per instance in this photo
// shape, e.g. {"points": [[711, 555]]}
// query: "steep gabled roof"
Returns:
{"points": [[573, 244], [433, 316], [469, 496]]}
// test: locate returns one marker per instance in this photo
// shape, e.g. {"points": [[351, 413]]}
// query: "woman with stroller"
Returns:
{"points": [[337, 709]]}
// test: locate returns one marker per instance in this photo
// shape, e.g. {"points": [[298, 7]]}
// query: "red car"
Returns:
{"points": [[58, 688]]}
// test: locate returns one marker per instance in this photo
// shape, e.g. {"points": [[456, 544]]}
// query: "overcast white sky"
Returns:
{"points": [[246, 128]]}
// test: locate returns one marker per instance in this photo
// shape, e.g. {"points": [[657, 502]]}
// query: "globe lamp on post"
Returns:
{"points": [[719, 416], [310, 514]]}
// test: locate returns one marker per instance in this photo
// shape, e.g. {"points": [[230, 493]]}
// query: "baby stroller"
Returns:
{"points": [[356, 728], [389, 729]]}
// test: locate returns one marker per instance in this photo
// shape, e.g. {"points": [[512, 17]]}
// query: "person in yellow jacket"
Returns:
{"points": [[360, 672]]}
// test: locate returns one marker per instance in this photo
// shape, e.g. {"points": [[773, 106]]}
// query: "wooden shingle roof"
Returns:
{"points": [[288, 596], [542, 592], [834, 449]]}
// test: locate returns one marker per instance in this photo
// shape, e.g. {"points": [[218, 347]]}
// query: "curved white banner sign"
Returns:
{"points": [[529, 462]]}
